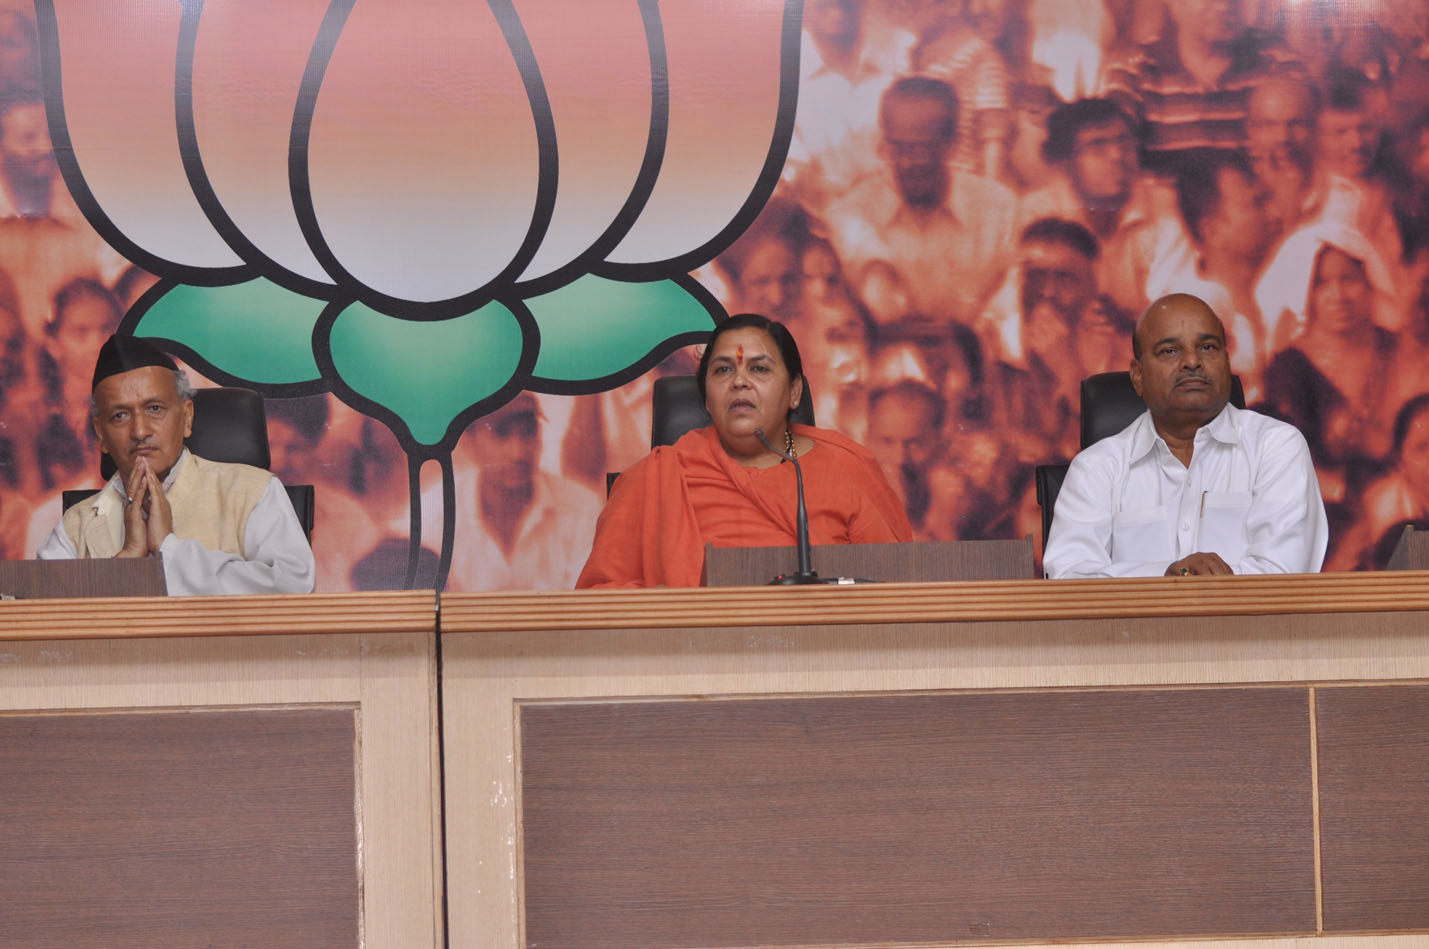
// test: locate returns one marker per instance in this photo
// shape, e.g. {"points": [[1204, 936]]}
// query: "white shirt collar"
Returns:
{"points": [[1222, 428]]}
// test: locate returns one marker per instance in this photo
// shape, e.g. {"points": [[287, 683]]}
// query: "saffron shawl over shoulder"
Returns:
{"points": [[665, 508]]}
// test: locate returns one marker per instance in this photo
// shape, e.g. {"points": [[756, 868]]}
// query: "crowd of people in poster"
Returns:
{"points": [[979, 199]]}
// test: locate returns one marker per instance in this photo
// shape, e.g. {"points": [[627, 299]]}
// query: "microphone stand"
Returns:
{"points": [[805, 574]]}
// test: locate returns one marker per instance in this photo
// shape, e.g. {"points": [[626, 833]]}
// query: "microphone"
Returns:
{"points": [[806, 572]]}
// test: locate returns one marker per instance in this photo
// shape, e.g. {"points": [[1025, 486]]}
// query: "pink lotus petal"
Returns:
{"points": [[248, 70], [595, 62], [423, 158], [726, 70], [118, 65]]}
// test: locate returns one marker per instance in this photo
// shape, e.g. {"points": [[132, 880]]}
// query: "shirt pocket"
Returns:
{"points": [[1222, 529], [1140, 534]]}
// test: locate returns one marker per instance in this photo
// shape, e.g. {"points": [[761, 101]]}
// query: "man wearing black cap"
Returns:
{"points": [[221, 528]]}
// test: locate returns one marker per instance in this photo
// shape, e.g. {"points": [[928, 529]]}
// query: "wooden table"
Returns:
{"points": [[1240, 760]]}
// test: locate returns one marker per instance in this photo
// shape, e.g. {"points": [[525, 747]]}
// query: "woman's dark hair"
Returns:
{"points": [[783, 339], [1411, 410], [75, 291], [82, 288]]}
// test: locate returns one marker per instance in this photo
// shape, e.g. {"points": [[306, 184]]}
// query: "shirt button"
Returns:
{"points": [[1185, 525]]}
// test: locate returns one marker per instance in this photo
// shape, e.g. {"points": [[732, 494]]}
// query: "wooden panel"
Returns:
{"points": [[1374, 806], [170, 653], [928, 561], [1013, 600], [1412, 551], [179, 828], [408, 611], [136, 576], [917, 818]]}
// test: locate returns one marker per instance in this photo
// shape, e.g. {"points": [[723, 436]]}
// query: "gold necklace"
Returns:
{"points": [[789, 444]]}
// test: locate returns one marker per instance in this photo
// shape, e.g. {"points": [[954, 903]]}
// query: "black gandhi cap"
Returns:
{"points": [[123, 354]]}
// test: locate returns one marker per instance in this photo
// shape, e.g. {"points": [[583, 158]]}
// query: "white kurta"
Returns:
{"points": [[1129, 508]]}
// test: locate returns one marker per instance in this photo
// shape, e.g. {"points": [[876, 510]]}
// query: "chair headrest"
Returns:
{"points": [[1110, 404]]}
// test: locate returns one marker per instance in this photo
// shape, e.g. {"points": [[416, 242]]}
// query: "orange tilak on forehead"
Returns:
{"points": [[739, 354]]}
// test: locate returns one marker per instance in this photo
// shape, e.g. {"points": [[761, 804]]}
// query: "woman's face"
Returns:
{"points": [[83, 327], [770, 281], [1341, 294], [747, 387]]}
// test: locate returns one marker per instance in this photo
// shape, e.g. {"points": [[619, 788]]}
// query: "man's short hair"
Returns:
{"points": [[924, 87], [1067, 120], [1056, 230], [308, 416], [1198, 184], [912, 388]]}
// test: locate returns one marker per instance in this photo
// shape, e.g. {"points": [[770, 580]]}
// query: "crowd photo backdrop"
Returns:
{"points": [[453, 244]]}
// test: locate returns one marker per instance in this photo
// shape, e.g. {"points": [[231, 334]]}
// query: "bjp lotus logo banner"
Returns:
{"points": [[423, 208]]}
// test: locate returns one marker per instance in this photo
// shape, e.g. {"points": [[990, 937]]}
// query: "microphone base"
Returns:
{"points": [[797, 579]]}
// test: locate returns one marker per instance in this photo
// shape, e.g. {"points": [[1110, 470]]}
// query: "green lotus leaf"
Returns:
{"points": [[426, 373], [255, 331], [594, 327]]}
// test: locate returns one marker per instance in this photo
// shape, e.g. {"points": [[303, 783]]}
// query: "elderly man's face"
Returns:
{"points": [[902, 436], [900, 429], [139, 415], [1348, 141], [1104, 162], [1184, 372], [1280, 125], [1054, 273], [917, 137]]}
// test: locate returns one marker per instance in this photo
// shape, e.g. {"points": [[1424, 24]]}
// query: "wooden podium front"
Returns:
{"points": [[219, 771], [1237, 760]]}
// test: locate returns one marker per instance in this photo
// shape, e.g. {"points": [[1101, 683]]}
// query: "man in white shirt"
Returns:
{"points": [[1194, 486], [519, 528], [221, 528]]}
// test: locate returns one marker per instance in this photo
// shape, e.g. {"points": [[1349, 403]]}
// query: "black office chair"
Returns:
{"points": [[1109, 404], [230, 426]]}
